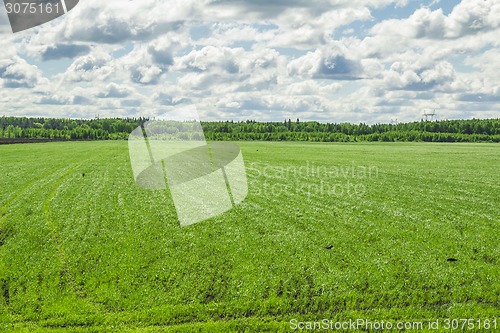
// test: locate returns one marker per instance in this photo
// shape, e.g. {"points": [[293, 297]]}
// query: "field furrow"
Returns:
{"points": [[394, 231]]}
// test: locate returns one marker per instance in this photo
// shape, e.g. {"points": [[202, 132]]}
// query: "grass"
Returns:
{"points": [[82, 248]]}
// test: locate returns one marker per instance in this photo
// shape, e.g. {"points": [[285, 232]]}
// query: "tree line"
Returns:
{"points": [[473, 130], [68, 129]]}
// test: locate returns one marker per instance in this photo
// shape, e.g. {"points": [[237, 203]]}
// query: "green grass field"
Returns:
{"points": [[336, 231]]}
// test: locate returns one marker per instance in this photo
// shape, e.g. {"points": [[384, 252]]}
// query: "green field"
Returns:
{"points": [[380, 231]]}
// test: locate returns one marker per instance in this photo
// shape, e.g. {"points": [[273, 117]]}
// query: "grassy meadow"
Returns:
{"points": [[382, 231]]}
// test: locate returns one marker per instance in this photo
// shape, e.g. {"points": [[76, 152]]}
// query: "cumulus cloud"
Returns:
{"points": [[112, 22], [333, 65], [312, 87], [147, 75], [224, 69], [251, 59], [17, 73], [64, 100], [163, 48], [59, 51], [273, 8], [173, 97], [113, 90], [92, 67], [471, 17], [210, 58], [408, 76], [468, 17]]}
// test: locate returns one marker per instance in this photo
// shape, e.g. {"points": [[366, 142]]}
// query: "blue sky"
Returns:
{"points": [[330, 60]]}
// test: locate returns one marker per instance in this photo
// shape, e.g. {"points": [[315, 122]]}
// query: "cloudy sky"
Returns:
{"points": [[327, 60]]}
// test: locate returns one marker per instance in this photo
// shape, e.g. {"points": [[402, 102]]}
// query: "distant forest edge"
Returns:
{"points": [[22, 129]]}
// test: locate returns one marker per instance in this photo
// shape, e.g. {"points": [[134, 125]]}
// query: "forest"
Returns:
{"points": [[24, 129]]}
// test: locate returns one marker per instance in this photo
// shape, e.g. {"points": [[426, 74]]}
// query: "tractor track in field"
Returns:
{"points": [[4, 234], [52, 225], [52, 180], [49, 174], [6, 231], [54, 235], [4, 208]]}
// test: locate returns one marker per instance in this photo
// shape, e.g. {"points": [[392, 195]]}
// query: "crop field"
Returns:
{"points": [[375, 231]]}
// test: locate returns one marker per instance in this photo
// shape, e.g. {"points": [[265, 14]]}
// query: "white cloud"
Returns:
{"points": [[113, 90], [326, 64], [256, 59], [92, 67], [210, 58], [468, 17], [409, 76], [223, 69], [473, 16], [17, 73]]}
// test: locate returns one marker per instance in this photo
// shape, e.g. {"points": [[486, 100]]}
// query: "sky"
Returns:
{"points": [[371, 61]]}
